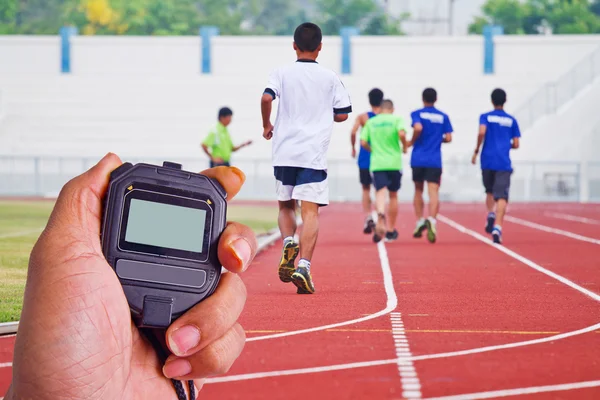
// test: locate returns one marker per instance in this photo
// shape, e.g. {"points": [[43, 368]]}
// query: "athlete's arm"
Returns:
{"points": [[365, 145], [357, 124], [402, 136], [447, 137], [266, 104], [417, 130], [480, 137], [515, 143], [241, 146], [340, 117]]}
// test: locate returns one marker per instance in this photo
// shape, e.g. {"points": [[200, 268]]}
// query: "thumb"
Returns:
{"points": [[75, 220]]}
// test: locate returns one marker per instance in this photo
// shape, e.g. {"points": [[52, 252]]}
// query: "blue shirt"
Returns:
{"points": [[501, 129], [427, 150], [364, 157]]}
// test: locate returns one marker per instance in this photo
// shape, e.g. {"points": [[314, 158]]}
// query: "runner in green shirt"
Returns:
{"points": [[385, 137], [218, 145]]}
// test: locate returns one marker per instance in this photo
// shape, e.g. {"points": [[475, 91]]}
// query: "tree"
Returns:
{"points": [[533, 16], [366, 15]]}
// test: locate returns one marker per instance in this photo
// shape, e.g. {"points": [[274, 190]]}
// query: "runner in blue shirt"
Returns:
{"points": [[431, 128], [364, 157], [499, 132]]}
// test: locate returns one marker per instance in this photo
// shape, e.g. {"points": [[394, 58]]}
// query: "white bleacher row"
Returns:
{"points": [[85, 116]]}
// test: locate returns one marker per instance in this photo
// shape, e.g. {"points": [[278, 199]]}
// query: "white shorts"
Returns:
{"points": [[304, 184]]}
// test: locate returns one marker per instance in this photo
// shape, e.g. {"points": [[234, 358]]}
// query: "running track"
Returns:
{"points": [[461, 319]]}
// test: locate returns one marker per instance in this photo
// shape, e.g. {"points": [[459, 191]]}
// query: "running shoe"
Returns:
{"points": [[431, 231], [303, 281], [497, 236], [391, 236], [419, 229], [369, 226], [379, 229], [288, 258], [490, 224]]}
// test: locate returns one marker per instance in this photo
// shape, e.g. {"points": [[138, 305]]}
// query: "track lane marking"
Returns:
{"points": [[6, 365], [549, 229], [569, 217], [519, 257], [391, 304], [520, 391], [411, 386], [404, 361]]}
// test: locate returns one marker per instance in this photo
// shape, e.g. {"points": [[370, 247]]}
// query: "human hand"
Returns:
{"points": [[248, 143], [76, 339], [268, 131], [353, 152], [474, 158]]}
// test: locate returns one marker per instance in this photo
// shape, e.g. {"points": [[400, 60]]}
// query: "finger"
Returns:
{"points": [[78, 209], [231, 178], [208, 320], [237, 247], [215, 359]]}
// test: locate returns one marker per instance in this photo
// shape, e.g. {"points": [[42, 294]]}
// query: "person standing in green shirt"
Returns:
{"points": [[385, 137], [218, 145]]}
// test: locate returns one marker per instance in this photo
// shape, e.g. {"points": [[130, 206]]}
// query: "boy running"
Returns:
{"points": [[364, 157], [499, 132], [382, 136], [431, 128], [218, 145], [311, 99]]}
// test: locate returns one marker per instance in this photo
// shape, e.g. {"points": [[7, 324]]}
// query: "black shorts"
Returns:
{"points": [[223, 164], [427, 174], [496, 183], [365, 176], [387, 179]]}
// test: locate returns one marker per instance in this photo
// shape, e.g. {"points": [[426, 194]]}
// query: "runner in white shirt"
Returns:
{"points": [[311, 99]]}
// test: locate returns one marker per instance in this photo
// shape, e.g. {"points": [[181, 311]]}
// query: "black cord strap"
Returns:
{"points": [[163, 354]]}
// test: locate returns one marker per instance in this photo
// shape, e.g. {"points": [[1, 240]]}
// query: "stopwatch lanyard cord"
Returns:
{"points": [[162, 356]]}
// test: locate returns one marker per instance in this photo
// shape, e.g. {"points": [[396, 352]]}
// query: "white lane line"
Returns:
{"points": [[390, 292], [521, 391], [408, 374], [570, 217], [519, 257], [5, 365], [551, 230], [20, 233], [401, 361], [408, 361]]}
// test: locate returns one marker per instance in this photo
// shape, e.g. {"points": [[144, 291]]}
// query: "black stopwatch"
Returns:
{"points": [[160, 231]]}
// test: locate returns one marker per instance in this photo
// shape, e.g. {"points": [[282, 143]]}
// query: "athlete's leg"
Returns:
{"points": [[490, 203], [310, 229], [392, 212], [418, 202], [500, 211], [433, 189], [366, 200], [287, 218], [380, 197]]}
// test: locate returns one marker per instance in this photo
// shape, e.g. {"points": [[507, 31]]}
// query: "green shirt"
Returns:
{"points": [[381, 132], [219, 142]]}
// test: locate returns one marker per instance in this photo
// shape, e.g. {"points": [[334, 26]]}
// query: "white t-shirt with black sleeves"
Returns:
{"points": [[309, 96]]}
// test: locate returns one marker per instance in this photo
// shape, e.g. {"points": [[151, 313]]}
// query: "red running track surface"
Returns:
{"points": [[460, 294]]}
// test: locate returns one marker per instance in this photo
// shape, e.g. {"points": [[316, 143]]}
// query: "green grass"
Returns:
{"points": [[22, 222]]}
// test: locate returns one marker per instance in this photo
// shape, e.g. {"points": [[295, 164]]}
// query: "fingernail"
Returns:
{"points": [[242, 251], [177, 368], [239, 173], [184, 339]]}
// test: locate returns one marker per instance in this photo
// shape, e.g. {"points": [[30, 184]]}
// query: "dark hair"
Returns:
{"points": [[225, 112], [498, 97], [308, 37], [387, 103], [429, 95], [375, 97]]}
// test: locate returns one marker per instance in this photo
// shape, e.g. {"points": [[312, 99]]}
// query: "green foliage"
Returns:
{"points": [[534, 16], [366, 15], [184, 17]]}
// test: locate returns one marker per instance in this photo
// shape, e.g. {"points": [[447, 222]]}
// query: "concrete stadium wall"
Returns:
{"points": [[543, 56]]}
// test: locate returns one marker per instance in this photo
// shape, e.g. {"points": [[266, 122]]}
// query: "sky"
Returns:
{"points": [[464, 12]]}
